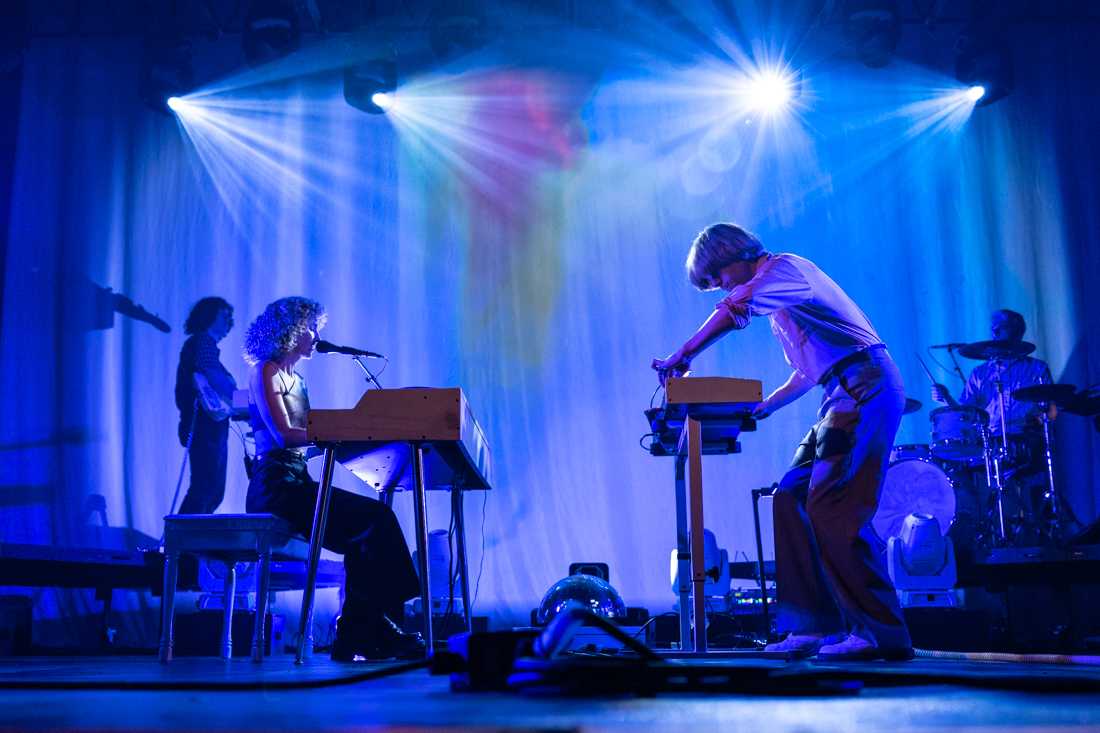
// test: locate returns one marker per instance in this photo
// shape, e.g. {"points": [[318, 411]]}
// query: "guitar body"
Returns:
{"points": [[213, 405]]}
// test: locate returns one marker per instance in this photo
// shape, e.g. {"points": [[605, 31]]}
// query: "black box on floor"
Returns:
{"points": [[16, 613], [199, 634], [454, 624], [953, 629], [724, 630]]}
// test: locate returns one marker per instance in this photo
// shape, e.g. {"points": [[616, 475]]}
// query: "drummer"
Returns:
{"points": [[1014, 369]]}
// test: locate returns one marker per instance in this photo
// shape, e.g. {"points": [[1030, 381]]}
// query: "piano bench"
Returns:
{"points": [[230, 538]]}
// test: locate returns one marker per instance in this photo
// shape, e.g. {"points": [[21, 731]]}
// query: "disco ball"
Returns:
{"points": [[585, 591]]}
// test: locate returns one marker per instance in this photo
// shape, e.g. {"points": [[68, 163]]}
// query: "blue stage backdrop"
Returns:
{"points": [[519, 229]]}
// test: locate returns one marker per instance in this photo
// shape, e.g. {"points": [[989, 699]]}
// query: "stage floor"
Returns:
{"points": [[133, 693]]}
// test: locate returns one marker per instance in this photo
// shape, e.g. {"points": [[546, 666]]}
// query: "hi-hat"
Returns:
{"points": [[986, 350], [911, 405]]}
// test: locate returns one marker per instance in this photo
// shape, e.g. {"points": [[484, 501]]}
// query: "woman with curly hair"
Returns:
{"points": [[379, 570]]}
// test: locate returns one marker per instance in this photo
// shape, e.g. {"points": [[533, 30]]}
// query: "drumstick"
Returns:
{"points": [[926, 371]]}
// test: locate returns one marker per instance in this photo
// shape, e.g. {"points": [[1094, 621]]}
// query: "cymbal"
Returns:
{"points": [[911, 405], [986, 350], [1085, 403], [1058, 393]]}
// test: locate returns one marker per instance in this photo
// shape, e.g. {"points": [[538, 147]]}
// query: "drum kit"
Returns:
{"points": [[975, 480]]}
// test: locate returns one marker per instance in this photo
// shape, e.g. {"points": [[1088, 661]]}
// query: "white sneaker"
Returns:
{"points": [[857, 649], [797, 645]]}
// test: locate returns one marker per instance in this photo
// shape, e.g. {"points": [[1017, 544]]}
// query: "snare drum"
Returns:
{"points": [[909, 451], [913, 485], [957, 434]]}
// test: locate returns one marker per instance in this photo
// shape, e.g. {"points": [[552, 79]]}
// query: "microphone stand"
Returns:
{"points": [[958, 369], [371, 379]]}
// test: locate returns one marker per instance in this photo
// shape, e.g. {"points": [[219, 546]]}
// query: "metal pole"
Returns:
{"points": [[683, 554], [698, 571], [756, 494], [1055, 509], [1001, 455], [457, 495], [316, 539], [421, 507]]}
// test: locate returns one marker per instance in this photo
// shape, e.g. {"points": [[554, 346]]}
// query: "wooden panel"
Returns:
{"points": [[707, 390], [417, 413]]}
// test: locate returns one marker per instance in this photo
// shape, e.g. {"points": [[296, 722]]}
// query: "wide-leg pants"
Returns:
{"points": [[830, 572], [380, 575]]}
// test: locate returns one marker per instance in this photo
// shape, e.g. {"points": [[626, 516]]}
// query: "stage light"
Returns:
{"points": [[921, 563], [873, 28], [167, 72], [587, 591], [370, 86], [975, 93], [982, 60], [174, 104], [770, 91], [271, 30], [382, 100]]}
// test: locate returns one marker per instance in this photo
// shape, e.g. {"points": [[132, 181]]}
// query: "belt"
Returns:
{"points": [[855, 358]]}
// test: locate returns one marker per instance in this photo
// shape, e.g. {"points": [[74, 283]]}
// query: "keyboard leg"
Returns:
{"points": [[695, 492], [457, 495], [421, 507], [683, 555], [316, 538]]}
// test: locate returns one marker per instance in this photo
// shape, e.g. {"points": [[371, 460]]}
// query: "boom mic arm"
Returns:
{"points": [[327, 347]]}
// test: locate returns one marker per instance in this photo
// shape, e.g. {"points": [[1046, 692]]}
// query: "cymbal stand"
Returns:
{"points": [[998, 457], [1051, 494]]}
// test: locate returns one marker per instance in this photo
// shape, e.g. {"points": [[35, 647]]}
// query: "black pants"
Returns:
{"points": [[830, 575], [379, 572], [208, 462]]}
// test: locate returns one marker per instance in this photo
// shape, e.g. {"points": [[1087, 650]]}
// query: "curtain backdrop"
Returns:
{"points": [[531, 253]]}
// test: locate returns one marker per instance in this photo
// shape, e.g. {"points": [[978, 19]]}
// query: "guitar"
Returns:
{"points": [[213, 404]]}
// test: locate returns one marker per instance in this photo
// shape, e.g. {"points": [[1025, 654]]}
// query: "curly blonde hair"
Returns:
{"points": [[275, 331]]}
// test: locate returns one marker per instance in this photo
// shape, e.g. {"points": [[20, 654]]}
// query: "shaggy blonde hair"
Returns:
{"points": [[716, 247], [275, 331]]}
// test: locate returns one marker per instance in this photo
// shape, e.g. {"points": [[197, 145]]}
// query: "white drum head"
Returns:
{"points": [[913, 486]]}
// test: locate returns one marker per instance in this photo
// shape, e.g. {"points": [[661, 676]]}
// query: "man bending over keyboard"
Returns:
{"points": [[834, 595]]}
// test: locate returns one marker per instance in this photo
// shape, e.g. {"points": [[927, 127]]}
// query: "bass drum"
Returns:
{"points": [[913, 485]]}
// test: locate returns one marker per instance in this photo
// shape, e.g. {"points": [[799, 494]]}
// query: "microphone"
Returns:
{"points": [[952, 345], [327, 347]]}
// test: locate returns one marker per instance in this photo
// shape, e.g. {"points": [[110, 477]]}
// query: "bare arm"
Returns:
{"points": [[715, 327], [796, 385], [263, 391]]}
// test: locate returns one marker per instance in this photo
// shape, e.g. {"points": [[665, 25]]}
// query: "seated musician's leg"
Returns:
{"points": [[853, 444], [806, 606], [379, 578], [379, 570]]}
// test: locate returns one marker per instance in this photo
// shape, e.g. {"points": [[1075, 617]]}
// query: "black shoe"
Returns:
{"points": [[352, 640], [374, 641], [393, 643]]}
